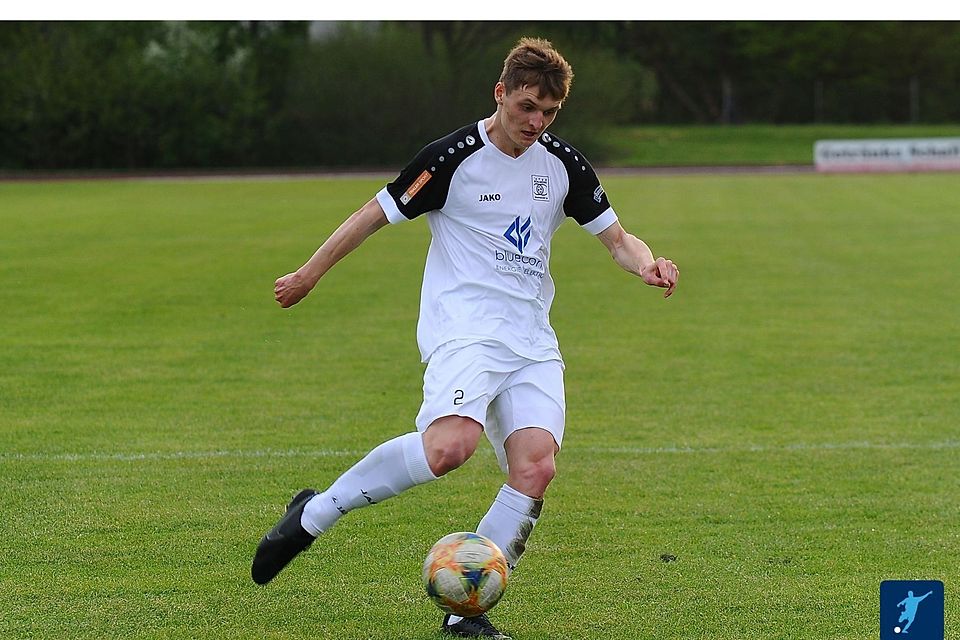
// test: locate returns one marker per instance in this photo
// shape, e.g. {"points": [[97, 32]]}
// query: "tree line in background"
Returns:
{"points": [[143, 95]]}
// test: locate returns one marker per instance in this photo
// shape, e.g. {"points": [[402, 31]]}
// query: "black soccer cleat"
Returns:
{"points": [[283, 542], [475, 627]]}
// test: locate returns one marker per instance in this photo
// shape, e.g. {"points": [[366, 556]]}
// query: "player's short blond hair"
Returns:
{"points": [[534, 62]]}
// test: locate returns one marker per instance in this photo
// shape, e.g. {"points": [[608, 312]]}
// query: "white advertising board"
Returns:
{"points": [[916, 154]]}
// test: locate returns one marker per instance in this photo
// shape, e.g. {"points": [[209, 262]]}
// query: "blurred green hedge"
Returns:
{"points": [[144, 95]]}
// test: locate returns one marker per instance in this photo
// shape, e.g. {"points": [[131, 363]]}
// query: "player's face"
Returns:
{"points": [[524, 115]]}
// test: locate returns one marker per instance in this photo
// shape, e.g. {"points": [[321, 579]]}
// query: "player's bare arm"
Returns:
{"points": [[633, 255], [294, 287]]}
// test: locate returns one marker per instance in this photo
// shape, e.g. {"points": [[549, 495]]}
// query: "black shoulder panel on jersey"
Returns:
{"points": [[423, 184], [586, 199]]}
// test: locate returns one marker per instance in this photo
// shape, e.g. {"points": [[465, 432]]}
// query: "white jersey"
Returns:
{"points": [[492, 217]]}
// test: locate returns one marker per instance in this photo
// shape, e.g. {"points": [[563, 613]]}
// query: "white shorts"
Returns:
{"points": [[502, 391]]}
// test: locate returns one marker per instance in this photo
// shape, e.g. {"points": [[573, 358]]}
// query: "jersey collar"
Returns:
{"points": [[486, 140]]}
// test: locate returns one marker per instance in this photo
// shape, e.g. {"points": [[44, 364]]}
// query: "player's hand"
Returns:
{"points": [[291, 289], [662, 273]]}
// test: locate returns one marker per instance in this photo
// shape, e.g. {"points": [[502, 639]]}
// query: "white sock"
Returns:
{"points": [[388, 470], [509, 522]]}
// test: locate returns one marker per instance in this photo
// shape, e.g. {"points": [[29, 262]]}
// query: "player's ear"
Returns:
{"points": [[499, 90]]}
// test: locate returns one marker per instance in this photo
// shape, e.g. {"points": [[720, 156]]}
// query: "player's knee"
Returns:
{"points": [[444, 457], [532, 477], [451, 443]]}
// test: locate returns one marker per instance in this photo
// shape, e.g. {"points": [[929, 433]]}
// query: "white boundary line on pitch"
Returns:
{"points": [[787, 448], [331, 453], [176, 455]]}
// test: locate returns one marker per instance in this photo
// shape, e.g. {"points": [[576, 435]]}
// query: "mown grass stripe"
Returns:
{"points": [[340, 453]]}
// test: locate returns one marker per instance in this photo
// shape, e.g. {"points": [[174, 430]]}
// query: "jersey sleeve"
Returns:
{"points": [[586, 202], [424, 183]]}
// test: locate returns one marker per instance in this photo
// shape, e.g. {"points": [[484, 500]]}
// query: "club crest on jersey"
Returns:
{"points": [[541, 188], [518, 233]]}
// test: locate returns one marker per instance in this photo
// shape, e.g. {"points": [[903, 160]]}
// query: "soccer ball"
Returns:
{"points": [[465, 573]]}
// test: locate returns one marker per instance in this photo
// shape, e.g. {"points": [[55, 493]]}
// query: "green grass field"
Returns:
{"points": [[752, 144], [747, 460]]}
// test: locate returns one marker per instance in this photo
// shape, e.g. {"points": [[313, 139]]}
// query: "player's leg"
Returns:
{"points": [[449, 427], [388, 470], [531, 454], [514, 513], [531, 396], [527, 433], [392, 468], [909, 622]]}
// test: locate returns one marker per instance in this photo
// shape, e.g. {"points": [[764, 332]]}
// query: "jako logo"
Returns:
{"points": [[518, 233], [489, 197]]}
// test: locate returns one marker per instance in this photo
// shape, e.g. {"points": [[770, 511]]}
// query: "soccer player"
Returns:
{"points": [[493, 194], [910, 604]]}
